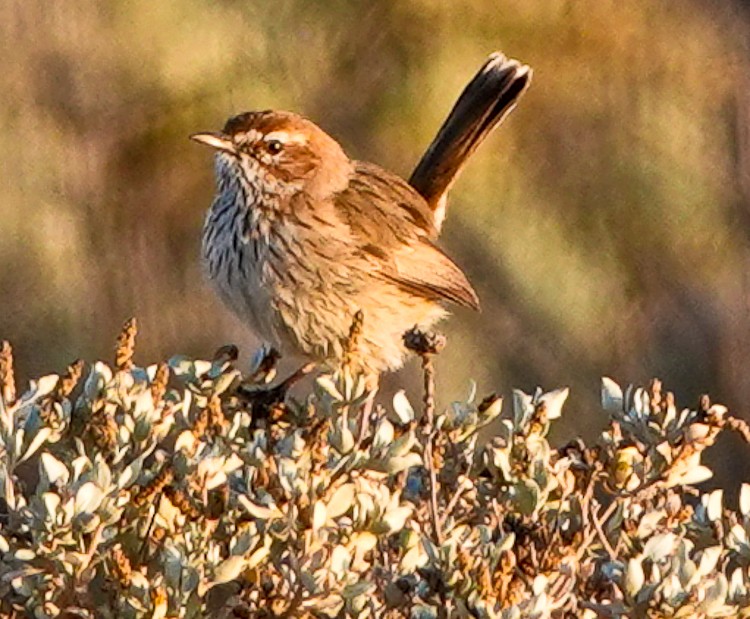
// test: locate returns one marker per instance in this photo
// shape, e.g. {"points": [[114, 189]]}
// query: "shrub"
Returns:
{"points": [[185, 490]]}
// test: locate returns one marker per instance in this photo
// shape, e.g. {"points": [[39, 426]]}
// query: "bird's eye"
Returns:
{"points": [[274, 146]]}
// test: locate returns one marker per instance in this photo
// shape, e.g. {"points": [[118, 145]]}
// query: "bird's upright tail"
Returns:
{"points": [[486, 100]]}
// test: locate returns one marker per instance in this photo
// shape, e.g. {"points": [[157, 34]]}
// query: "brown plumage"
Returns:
{"points": [[300, 238]]}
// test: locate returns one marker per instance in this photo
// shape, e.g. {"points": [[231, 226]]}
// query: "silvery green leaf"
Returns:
{"points": [[131, 472], [709, 558], [613, 570], [102, 473], [507, 542], [51, 502], [641, 407], [745, 500], [319, 515], [32, 422], [383, 435], [402, 408], [341, 501], [232, 463], [493, 410], [612, 399], [539, 451], [525, 495], [472, 391], [554, 400], [187, 402], [402, 444], [17, 440], [258, 556], [346, 380], [343, 439], [698, 432], [340, 561], [186, 441], [363, 542], [142, 428], [718, 411], [201, 367], [737, 540], [634, 577], [288, 472], [523, 407], [660, 546], [401, 463], [695, 475], [225, 381], [80, 465], [363, 587], [326, 384], [172, 566], [228, 570], [6, 419], [414, 558], [396, 518], [737, 586], [715, 597], [714, 505], [364, 507], [180, 365], [40, 387], [422, 611], [501, 462], [649, 522], [98, 377], [258, 511], [88, 498], [24, 554], [243, 542], [51, 470], [39, 439], [7, 487]]}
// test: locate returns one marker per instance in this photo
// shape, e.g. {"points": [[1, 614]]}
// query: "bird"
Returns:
{"points": [[300, 240]]}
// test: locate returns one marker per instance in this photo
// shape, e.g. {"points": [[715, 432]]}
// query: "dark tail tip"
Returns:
{"points": [[486, 100]]}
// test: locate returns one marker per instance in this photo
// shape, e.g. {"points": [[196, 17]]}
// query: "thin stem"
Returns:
{"points": [[429, 413]]}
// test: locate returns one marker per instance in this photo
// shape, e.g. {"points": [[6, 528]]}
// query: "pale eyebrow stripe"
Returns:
{"points": [[286, 138]]}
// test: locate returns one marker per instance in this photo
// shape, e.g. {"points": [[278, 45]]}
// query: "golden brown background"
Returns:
{"points": [[606, 225]]}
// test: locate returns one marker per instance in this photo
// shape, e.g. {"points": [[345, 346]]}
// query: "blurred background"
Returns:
{"points": [[606, 225]]}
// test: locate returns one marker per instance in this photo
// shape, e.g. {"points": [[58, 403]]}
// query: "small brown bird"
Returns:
{"points": [[300, 237]]}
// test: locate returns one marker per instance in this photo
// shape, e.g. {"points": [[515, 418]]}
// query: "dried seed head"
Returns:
{"points": [[217, 502], [49, 413], [70, 379], [200, 425], [182, 501], [7, 377], [351, 344], [216, 419], [147, 493], [159, 384], [121, 567], [102, 428], [424, 342], [125, 348]]}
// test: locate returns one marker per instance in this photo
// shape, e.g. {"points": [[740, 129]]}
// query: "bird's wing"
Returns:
{"points": [[393, 226]]}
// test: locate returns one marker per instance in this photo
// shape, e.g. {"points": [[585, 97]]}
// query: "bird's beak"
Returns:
{"points": [[219, 141]]}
